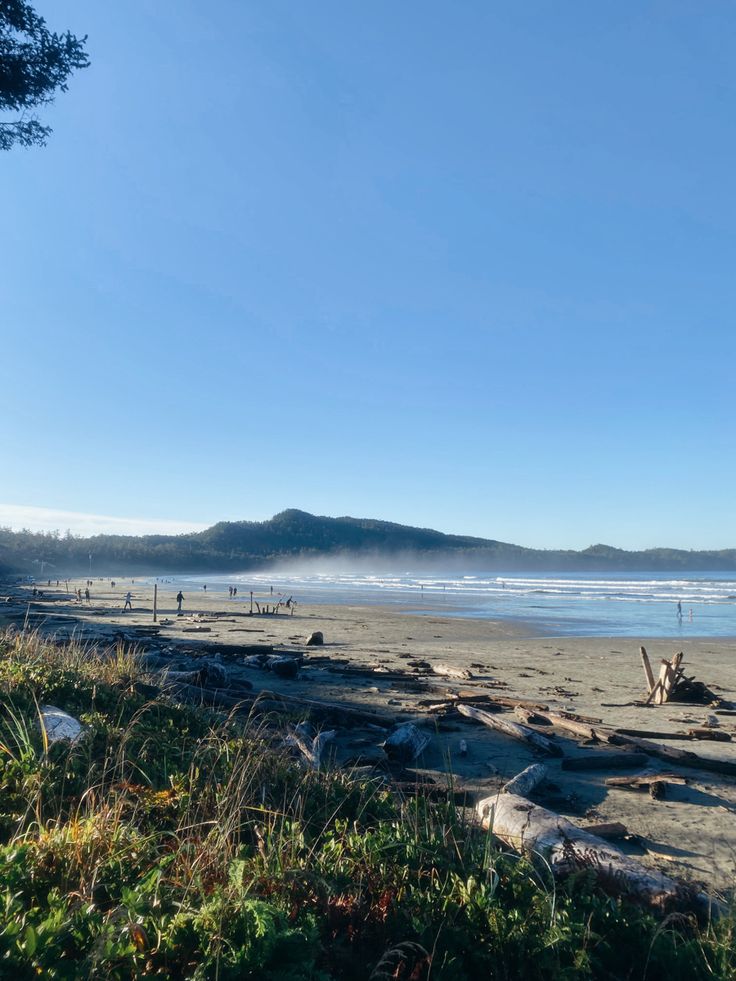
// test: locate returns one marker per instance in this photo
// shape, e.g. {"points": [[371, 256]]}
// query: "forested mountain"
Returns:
{"points": [[292, 534]]}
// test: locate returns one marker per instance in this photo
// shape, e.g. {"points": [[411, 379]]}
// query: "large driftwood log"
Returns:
{"points": [[209, 697], [543, 835], [602, 761], [524, 783], [514, 729], [342, 714], [682, 757]]}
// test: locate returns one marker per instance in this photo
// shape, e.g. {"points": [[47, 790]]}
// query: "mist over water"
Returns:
{"points": [[584, 604]]}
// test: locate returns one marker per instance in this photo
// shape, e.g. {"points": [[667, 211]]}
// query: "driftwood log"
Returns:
{"points": [[310, 743], [564, 848], [514, 729], [681, 757], [652, 780], [604, 761], [406, 743], [524, 783], [450, 671]]}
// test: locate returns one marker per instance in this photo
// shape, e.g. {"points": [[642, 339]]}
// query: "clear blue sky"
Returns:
{"points": [[468, 266]]}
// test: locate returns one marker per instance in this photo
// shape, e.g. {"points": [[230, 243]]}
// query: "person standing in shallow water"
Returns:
{"points": [[179, 601]]}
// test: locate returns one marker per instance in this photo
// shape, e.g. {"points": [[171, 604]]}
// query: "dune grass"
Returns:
{"points": [[176, 843]]}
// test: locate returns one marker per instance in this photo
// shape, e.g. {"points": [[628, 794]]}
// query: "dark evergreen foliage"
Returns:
{"points": [[35, 63], [292, 534]]}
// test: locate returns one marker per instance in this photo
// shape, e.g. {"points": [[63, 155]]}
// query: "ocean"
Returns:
{"points": [[627, 604]]}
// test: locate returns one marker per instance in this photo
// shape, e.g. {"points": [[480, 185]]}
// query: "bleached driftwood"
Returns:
{"points": [[450, 671], [406, 742], [647, 668], [514, 729], [59, 725], [525, 782], [310, 743], [543, 835], [579, 728]]}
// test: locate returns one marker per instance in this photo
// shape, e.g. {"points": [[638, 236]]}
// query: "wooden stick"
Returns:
{"points": [[647, 668], [513, 729]]}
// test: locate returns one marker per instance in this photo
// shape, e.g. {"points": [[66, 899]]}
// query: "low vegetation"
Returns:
{"points": [[175, 843]]}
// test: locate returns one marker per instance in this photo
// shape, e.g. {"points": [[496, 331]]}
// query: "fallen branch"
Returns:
{"points": [[514, 729]]}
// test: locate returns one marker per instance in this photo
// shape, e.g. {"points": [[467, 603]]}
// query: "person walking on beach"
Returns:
{"points": [[679, 610], [179, 601], [128, 601], [86, 594]]}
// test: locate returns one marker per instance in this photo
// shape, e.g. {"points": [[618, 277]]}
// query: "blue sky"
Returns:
{"points": [[467, 266]]}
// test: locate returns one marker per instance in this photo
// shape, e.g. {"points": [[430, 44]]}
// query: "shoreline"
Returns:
{"points": [[691, 834]]}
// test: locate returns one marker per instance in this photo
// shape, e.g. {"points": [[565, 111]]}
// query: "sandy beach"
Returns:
{"points": [[691, 833]]}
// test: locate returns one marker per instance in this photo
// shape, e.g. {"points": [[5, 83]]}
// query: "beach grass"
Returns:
{"points": [[174, 842]]}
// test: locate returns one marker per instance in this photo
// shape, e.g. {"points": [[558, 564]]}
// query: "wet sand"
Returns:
{"points": [[692, 833]]}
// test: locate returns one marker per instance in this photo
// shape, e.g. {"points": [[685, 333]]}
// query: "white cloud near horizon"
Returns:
{"points": [[19, 516]]}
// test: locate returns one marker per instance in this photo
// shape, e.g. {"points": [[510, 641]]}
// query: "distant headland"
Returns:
{"points": [[294, 535]]}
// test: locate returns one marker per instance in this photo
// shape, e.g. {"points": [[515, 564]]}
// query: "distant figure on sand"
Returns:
{"points": [[179, 601], [679, 610], [128, 601], [230, 591], [205, 587], [235, 590], [86, 594]]}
